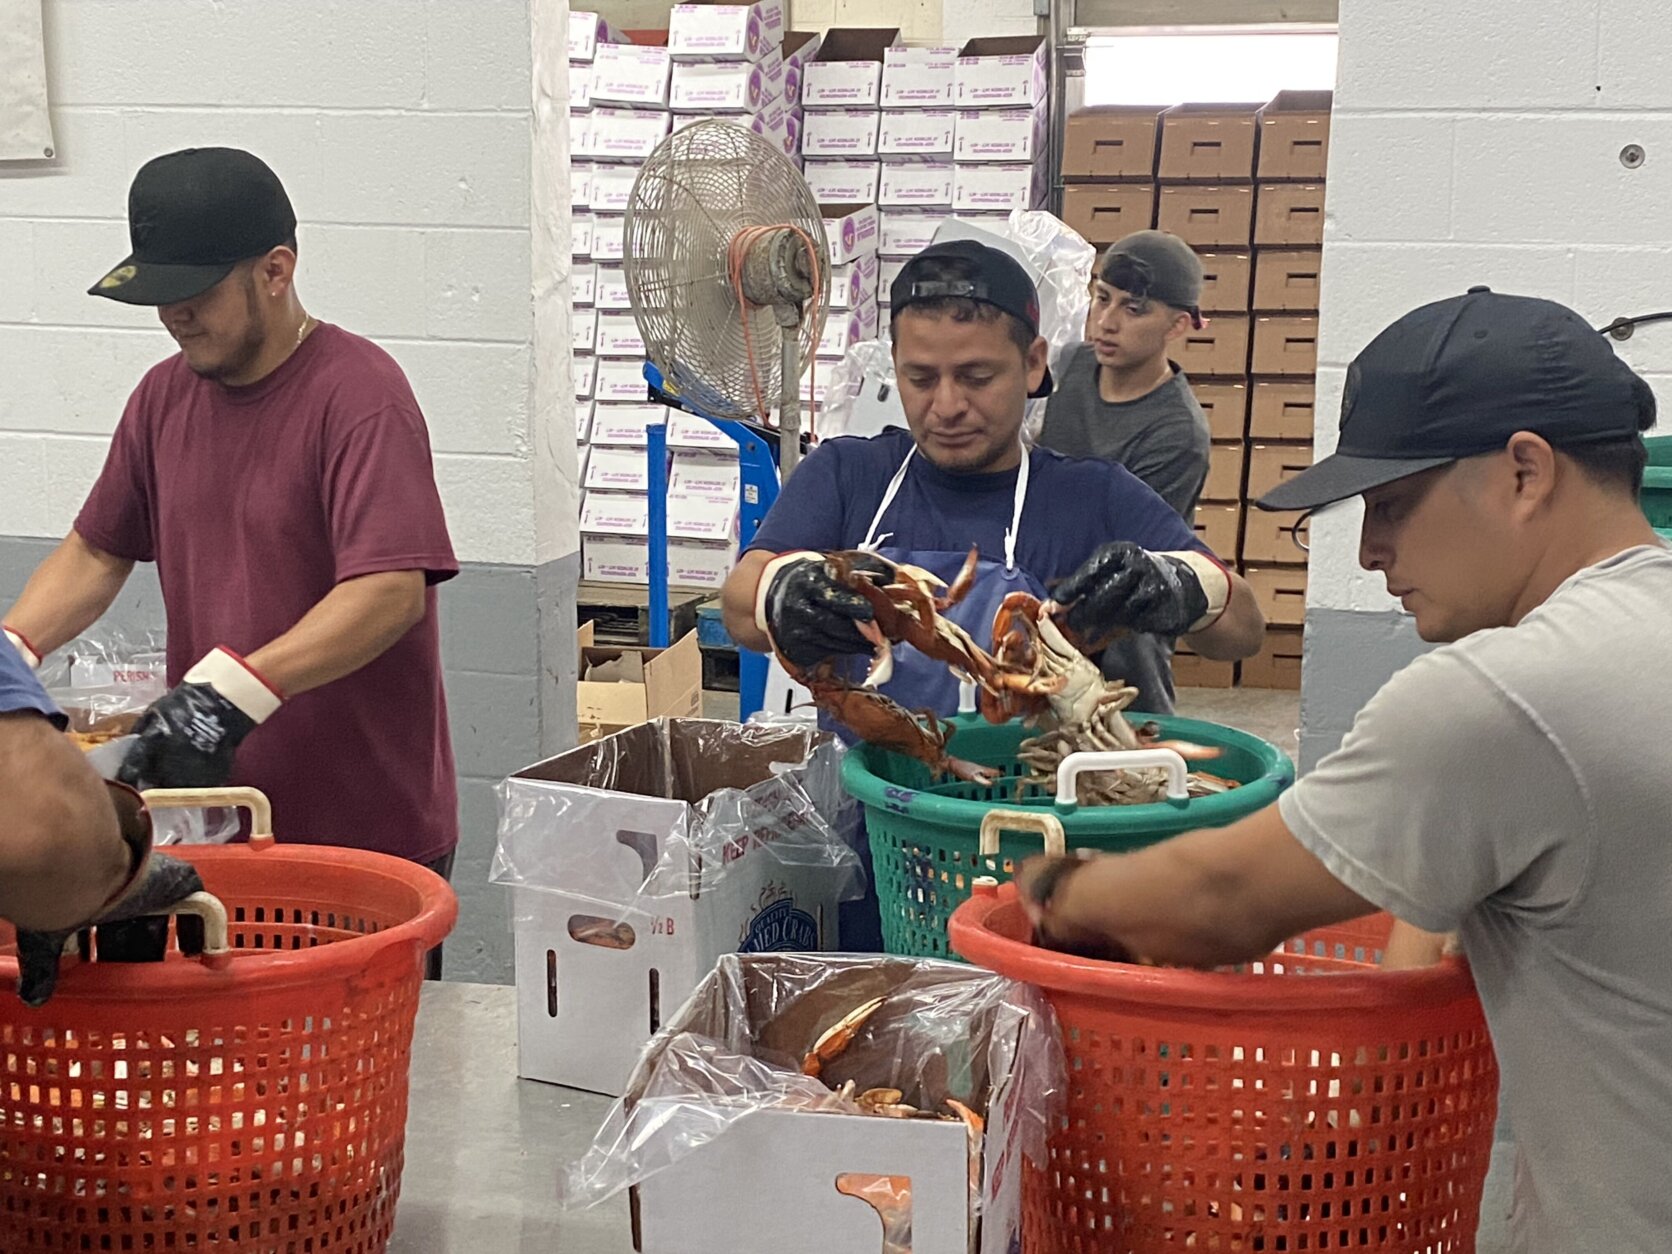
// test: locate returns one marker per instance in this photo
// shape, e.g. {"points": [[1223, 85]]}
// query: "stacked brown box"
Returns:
{"points": [[1108, 171]]}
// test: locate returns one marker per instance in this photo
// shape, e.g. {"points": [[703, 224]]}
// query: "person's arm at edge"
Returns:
{"points": [[737, 600], [348, 628], [67, 594], [1237, 633]]}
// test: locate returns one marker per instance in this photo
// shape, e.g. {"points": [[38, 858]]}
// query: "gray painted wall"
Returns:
{"points": [[1349, 655], [508, 656]]}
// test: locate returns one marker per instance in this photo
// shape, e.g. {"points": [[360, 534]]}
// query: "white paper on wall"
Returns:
{"points": [[25, 127]]}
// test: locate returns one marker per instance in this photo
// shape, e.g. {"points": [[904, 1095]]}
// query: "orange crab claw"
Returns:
{"points": [[836, 1038]]}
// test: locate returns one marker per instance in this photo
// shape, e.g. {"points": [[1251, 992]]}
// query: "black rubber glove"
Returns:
{"points": [[1124, 586], [185, 740], [133, 927], [811, 616]]}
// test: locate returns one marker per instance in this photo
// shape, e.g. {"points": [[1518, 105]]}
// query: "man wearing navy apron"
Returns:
{"points": [[1087, 533]]}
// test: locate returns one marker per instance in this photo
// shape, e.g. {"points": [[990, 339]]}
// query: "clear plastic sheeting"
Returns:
{"points": [[861, 398], [943, 1032], [667, 808]]}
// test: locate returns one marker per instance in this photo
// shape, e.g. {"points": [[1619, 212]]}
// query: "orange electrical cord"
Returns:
{"points": [[736, 254]]}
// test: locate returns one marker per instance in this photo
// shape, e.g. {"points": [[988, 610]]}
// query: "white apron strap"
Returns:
{"points": [[873, 541]]}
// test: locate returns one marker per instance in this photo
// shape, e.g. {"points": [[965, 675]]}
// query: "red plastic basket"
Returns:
{"points": [[1306, 1102], [254, 1106]]}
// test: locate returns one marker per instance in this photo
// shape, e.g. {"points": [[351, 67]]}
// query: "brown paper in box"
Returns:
{"points": [[1209, 142], [1280, 592], [1270, 537], [1219, 348], [1225, 280], [1226, 407], [1294, 135], [1286, 280], [1285, 344], [1282, 410], [1103, 213], [1224, 480], [1272, 464], [1111, 142], [1217, 526], [1208, 217], [1290, 215], [1191, 671], [620, 687], [1278, 663]]}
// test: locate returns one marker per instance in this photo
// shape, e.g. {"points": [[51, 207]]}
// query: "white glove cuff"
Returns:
{"points": [[232, 677], [1215, 583], [25, 650], [765, 584]]}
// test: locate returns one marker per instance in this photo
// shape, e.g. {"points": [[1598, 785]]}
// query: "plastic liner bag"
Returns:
{"points": [[103, 681], [943, 1031], [687, 799], [861, 399]]}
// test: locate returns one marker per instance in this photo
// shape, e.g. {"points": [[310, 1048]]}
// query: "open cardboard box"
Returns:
{"points": [[620, 686], [847, 71]]}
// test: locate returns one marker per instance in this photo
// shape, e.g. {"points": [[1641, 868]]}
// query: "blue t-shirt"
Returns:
{"points": [[19, 689]]}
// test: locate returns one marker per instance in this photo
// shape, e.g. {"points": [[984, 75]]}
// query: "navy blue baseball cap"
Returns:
{"points": [[995, 278], [1458, 378]]}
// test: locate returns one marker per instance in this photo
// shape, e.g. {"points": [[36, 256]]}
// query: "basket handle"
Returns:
{"points": [[1077, 764], [1046, 824], [251, 799]]}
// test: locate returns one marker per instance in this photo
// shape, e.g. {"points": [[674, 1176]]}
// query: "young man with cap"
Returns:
{"points": [[968, 355], [1121, 399], [1497, 786], [278, 471]]}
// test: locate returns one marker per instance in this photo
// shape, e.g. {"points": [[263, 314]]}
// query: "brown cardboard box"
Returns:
{"points": [[1285, 344], [1225, 280], [1272, 464], [1208, 217], [1294, 135], [1217, 527], [1281, 410], [1224, 481], [1220, 348], [1193, 671], [1209, 143], [1287, 279], [1277, 664], [1281, 592], [1105, 212], [1111, 142], [1269, 537], [623, 686], [1291, 215], [1226, 407]]}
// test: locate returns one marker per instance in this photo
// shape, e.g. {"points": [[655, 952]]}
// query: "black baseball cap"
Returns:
{"points": [[1460, 377], [192, 216], [996, 278], [1153, 265]]}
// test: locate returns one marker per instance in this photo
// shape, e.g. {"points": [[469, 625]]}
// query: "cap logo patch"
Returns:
{"points": [[118, 276]]}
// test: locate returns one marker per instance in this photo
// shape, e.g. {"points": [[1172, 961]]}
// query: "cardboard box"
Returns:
{"points": [[615, 513], [632, 75], [583, 284], [583, 420], [725, 32], [842, 182], [609, 292], [1291, 215], [845, 328], [580, 234], [583, 455], [700, 563], [1272, 464], [1007, 135], [888, 269], [853, 230], [853, 282], [1294, 135], [1220, 348], [623, 134], [587, 31], [580, 88], [608, 236], [1209, 143], [1193, 671], [580, 185], [919, 78], [1281, 592], [1007, 72], [769, 125], [924, 182], [618, 336], [1226, 407], [585, 371], [701, 516], [1270, 537], [1208, 217], [727, 86], [615, 559], [1282, 410], [612, 187], [799, 47], [1286, 344], [997, 188], [1287, 279], [917, 133], [618, 469], [1217, 526], [1111, 142], [621, 379], [1104, 214], [847, 72], [583, 330], [1224, 481], [1225, 281], [1278, 663], [689, 431], [704, 474], [580, 134], [905, 233], [840, 133], [623, 425]]}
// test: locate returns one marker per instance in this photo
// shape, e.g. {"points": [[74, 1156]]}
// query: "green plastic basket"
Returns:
{"points": [[925, 835], [1656, 497]]}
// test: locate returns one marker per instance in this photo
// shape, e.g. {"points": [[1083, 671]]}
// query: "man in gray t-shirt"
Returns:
{"points": [[1119, 398], [1505, 786]]}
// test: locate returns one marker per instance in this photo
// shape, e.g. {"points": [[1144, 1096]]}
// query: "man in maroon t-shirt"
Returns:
{"points": [[277, 469]]}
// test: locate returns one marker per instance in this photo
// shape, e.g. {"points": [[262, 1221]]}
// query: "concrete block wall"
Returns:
{"points": [[1476, 144], [405, 135]]}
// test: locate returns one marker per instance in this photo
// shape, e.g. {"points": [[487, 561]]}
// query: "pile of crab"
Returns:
{"points": [[1031, 670]]}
